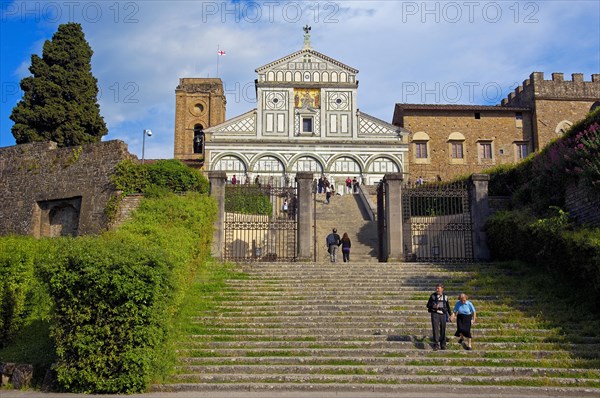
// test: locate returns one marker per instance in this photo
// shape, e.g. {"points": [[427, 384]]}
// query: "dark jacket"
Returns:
{"points": [[335, 238], [346, 244], [432, 304]]}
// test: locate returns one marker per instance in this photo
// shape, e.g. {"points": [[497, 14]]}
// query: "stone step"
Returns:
{"points": [[480, 343], [377, 352], [243, 330], [583, 374], [455, 387], [378, 378], [466, 359]]}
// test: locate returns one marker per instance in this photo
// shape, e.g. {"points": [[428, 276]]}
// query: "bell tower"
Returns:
{"points": [[199, 104]]}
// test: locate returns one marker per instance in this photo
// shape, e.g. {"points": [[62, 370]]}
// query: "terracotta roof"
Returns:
{"points": [[401, 109], [453, 107]]}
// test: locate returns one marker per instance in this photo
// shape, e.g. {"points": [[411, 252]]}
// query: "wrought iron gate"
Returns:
{"points": [[437, 222], [260, 223]]}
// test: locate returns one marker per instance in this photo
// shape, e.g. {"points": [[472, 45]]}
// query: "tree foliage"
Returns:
{"points": [[60, 98]]}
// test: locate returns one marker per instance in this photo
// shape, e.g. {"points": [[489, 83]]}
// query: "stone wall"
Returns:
{"points": [[499, 126], [555, 101], [582, 205], [50, 191]]}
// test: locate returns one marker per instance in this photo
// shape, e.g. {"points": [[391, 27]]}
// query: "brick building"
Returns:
{"points": [[451, 140]]}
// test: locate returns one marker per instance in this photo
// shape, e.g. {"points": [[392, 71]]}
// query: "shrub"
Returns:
{"points": [[21, 294], [131, 177], [114, 295], [549, 244], [247, 199]]}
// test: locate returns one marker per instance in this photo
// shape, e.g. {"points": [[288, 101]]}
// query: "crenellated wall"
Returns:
{"points": [[556, 103], [50, 191]]}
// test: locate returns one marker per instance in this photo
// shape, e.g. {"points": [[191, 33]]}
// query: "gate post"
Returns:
{"points": [[305, 215], [393, 200], [218, 179], [480, 211]]}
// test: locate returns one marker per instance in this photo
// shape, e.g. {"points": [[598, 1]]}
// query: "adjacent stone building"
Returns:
{"points": [[50, 191], [451, 140]]}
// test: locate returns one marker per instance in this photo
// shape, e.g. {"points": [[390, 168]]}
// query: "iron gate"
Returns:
{"points": [[437, 222], [258, 227]]}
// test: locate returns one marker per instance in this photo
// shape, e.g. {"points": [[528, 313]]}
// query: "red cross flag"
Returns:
{"points": [[221, 52]]}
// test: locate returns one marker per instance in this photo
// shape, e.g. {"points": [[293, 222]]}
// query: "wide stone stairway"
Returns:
{"points": [[364, 327], [347, 214]]}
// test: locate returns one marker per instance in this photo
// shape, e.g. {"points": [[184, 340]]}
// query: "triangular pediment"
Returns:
{"points": [[299, 60], [244, 124], [370, 126]]}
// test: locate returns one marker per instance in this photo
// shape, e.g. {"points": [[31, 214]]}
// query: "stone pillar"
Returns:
{"points": [[393, 201], [305, 216], [480, 211], [218, 180]]}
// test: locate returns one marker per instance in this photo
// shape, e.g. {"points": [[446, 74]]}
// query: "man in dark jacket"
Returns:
{"points": [[333, 242], [439, 308]]}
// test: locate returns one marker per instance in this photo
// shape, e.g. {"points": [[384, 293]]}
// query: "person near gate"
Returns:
{"points": [[346, 244], [465, 315], [333, 242], [348, 185], [439, 308]]}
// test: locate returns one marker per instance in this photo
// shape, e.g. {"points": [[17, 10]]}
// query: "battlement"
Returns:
{"points": [[199, 84], [536, 88]]}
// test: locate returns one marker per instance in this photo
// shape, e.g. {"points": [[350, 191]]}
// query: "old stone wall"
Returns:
{"points": [[582, 205], [50, 191], [501, 128]]}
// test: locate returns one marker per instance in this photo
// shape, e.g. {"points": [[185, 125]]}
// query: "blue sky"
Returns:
{"points": [[467, 52]]}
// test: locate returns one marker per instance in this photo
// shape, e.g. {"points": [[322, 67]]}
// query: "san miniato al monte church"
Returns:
{"points": [[308, 118]]}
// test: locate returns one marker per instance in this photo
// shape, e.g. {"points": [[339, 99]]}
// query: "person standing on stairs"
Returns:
{"points": [[333, 242], [346, 244], [439, 308], [465, 315]]}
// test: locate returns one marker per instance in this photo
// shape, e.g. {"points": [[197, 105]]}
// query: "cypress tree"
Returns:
{"points": [[60, 98]]}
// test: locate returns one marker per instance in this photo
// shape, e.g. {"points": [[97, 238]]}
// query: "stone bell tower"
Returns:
{"points": [[199, 104]]}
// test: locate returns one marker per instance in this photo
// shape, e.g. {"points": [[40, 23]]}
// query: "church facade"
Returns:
{"points": [[307, 118]]}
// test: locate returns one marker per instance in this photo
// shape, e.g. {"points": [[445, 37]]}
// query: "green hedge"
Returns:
{"points": [[549, 244], [21, 293], [132, 177], [114, 295], [247, 199], [109, 299]]}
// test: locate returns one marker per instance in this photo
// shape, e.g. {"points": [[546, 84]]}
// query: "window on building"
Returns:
{"points": [[477, 115], [421, 150], [457, 151], [485, 150], [307, 125], [519, 119], [521, 150]]}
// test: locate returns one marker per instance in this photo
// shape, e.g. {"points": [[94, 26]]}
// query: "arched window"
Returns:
{"points": [[198, 138], [595, 106]]}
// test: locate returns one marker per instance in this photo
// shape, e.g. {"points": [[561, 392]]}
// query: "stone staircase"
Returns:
{"points": [[345, 213], [364, 327]]}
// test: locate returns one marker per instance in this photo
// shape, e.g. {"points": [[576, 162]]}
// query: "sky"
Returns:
{"points": [[434, 52]]}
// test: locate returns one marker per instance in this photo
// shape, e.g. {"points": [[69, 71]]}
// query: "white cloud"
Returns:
{"points": [[393, 44]]}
